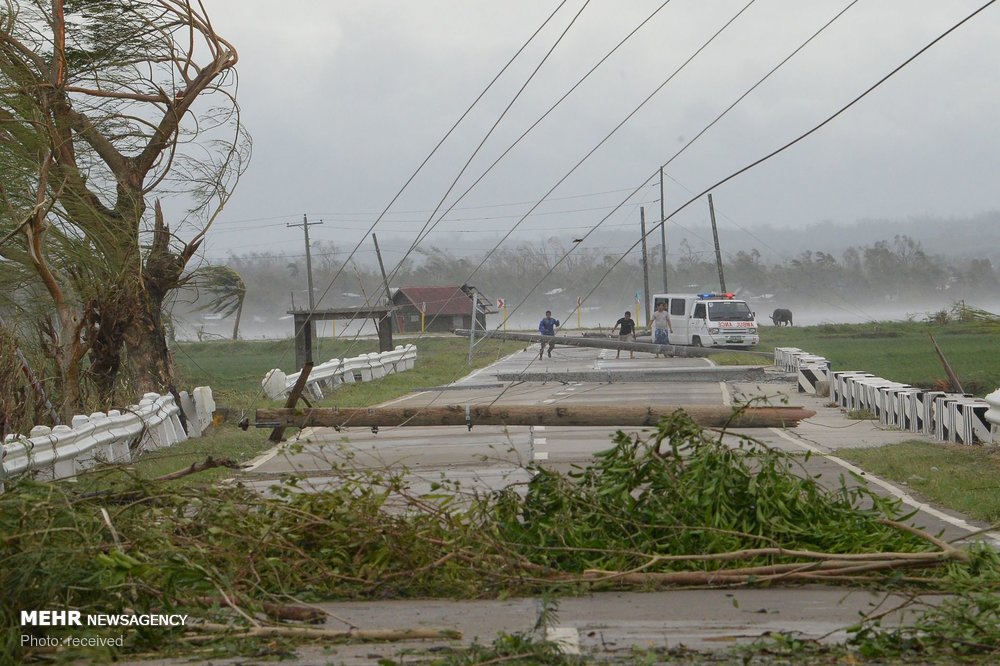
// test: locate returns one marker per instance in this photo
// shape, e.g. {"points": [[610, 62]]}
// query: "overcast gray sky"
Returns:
{"points": [[345, 99]]}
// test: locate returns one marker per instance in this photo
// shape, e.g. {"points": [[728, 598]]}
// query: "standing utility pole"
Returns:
{"points": [[472, 327], [645, 262], [309, 272], [718, 250], [387, 320], [309, 279], [663, 234]]}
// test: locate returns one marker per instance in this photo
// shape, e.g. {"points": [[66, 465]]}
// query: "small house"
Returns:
{"points": [[444, 308]]}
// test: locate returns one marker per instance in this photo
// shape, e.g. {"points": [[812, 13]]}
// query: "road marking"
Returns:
{"points": [[891, 489], [263, 458], [541, 440], [567, 638], [539, 427], [401, 399], [727, 398], [549, 401], [541, 455]]}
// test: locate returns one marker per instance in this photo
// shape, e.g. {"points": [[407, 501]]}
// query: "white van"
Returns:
{"points": [[709, 320]]}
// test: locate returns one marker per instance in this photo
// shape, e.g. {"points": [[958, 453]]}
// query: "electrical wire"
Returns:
{"points": [[789, 144], [435, 149]]}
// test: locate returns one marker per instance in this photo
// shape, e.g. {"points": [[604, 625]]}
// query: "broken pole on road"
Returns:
{"points": [[610, 343], [566, 414]]}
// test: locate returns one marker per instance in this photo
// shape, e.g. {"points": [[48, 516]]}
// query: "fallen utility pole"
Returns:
{"points": [[566, 414], [611, 343]]}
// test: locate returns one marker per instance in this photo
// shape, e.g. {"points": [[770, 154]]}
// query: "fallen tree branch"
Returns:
{"points": [[276, 611], [194, 468]]}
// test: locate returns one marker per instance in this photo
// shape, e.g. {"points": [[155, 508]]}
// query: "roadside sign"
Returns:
{"points": [[501, 303]]}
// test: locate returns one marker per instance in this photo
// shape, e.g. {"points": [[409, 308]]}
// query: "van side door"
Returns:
{"points": [[678, 321]]}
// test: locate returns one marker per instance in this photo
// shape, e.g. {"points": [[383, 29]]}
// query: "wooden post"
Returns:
{"points": [[293, 397], [609, 343], [645, 264], [472, 330], [564, 414], [384, 338], [303, 339], [718, 250], [663, 234]]}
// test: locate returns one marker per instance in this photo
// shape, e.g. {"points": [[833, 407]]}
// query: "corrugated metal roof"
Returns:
{"points": [[438, 300]]}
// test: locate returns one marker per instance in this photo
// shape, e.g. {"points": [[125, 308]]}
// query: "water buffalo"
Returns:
{"points": [[782, 316]]}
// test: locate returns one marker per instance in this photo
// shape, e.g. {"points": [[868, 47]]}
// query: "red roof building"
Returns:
{"points": [[444, 308]]}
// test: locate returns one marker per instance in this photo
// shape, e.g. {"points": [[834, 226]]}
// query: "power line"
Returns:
{"points": [[609, 135], [441, 142], [366, 214], [701, 133], [799, 138]]}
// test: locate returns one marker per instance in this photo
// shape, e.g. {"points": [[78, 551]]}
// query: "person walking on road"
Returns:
{"points": [[661, 325], [627, 325], [547, 326]]}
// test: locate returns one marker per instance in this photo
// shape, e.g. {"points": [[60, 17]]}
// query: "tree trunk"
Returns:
{"points": [[236, 326], [147, 347]]}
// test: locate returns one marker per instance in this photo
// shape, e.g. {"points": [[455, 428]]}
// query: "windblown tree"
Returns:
{"points": [[225, 292], [106, 106]]}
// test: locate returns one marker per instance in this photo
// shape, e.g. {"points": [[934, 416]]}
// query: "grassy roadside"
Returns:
{"points": [[234, 371], [963, 478], [901, 351]]}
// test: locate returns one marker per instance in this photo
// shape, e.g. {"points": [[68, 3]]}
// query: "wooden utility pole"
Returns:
{"points": [[613, 343], [309, 272], [472, 329], [387, 320], [565, 414], [645, 262], [293, 398], [663, 234], [718, 250]]}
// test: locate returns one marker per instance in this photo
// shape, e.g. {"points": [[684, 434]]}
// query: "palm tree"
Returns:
{"points": [[226, 291]]}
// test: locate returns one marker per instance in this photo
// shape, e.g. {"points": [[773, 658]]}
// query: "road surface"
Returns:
{"points": [[493, 457]]}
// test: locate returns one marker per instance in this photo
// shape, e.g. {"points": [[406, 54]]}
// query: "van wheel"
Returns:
{"points": [[696, 341]]}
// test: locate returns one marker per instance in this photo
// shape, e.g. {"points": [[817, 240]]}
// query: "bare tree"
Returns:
{"points": [[106, 106]]}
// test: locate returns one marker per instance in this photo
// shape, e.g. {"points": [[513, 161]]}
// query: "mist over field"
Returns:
{"points": [[868, 271]]}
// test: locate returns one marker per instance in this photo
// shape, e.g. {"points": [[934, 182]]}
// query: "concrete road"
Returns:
{"points": [[493, 457]]}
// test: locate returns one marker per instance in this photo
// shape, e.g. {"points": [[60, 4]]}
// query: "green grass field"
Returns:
{"points": [[963, 478], [234, 370], [902, 351]]}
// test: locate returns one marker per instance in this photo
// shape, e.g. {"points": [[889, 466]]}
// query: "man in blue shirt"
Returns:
{"points": [[547, 326]]}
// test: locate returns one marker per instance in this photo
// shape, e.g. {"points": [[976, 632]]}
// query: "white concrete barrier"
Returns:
{"points": [[992, 414], [950, 417], [331, 374], [65, 450]]}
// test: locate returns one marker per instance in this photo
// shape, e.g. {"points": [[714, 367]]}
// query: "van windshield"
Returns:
{"points": [[729, 311]]}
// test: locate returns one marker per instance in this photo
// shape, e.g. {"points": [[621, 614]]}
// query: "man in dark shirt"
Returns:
{"points": [[627, 325], [547, 326]]}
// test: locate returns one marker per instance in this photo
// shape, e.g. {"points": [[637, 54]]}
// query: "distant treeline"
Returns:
{"points": [[895, 270]]}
